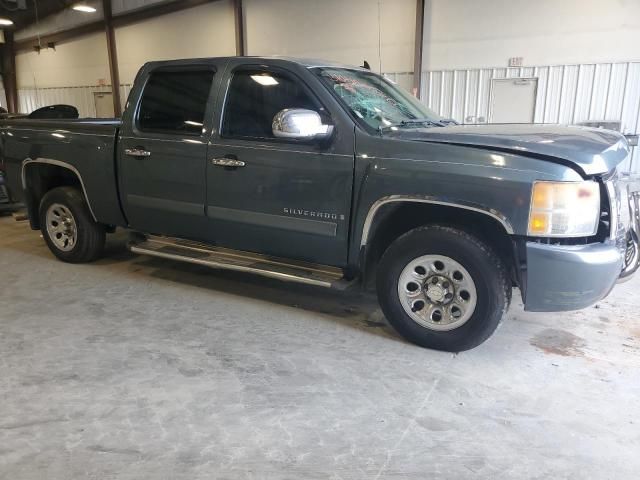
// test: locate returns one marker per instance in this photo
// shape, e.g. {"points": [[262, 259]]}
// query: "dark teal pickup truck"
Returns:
{"points": [[328, 175]]}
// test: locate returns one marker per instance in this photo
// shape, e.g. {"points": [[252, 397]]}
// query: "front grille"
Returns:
{"points": [[4, 195]]}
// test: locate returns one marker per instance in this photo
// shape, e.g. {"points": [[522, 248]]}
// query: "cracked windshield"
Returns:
{"points": [[376, 102]]}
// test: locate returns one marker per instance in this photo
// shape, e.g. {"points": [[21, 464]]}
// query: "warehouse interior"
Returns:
{"points": [[142, 367]]}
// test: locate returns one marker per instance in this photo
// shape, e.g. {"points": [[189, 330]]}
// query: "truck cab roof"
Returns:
{"points": [[304, 62]]}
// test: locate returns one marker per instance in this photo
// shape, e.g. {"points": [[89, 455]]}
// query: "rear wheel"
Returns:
{"points": [[68, 227], [443, 288]]}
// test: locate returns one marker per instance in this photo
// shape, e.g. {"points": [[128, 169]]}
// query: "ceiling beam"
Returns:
{"points": [[58, 37], [116, 21], [156, 11]]}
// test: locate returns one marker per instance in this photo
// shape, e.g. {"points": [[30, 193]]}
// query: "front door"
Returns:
{"points": [[162, 152], [284, 198]]}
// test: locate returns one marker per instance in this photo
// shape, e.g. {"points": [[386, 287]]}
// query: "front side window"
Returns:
{"points": [[255, 97], [175, 102], [374, 101]]}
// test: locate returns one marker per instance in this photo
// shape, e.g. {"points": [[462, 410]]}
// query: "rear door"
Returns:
{"points": [[289, 198], [163, 147]]}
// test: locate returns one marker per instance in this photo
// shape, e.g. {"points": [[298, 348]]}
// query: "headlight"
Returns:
{"points": [[564, 209]]}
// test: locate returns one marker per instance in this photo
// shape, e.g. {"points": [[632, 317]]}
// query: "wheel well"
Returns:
{"points": [[395, 219], [40, 178]]}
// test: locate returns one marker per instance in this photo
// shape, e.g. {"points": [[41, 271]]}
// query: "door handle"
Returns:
{"points": [[137, 152], [227, 162]]}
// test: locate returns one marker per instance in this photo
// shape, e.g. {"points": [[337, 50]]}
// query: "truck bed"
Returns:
{"points": [[85, 146]]}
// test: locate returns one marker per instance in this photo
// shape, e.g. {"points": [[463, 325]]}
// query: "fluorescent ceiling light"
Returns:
{"points": [[265, 80], [5, 21], [83, 7]]}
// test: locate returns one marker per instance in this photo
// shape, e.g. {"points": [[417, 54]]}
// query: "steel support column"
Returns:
{"points": [[113, 56], [239, 26], [9, 72], [417, 58]]}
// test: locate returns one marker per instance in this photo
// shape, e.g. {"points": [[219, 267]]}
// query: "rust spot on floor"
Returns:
{"points": [[559, 342], [635, 332]]}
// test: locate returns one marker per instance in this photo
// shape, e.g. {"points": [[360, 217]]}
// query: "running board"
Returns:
{"points": [[223, 258]]}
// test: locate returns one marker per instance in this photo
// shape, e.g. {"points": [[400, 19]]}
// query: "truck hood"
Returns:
{"points": [[591, 151]]}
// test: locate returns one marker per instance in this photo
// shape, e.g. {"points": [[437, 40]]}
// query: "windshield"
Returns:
{"points": [[377, 102]]}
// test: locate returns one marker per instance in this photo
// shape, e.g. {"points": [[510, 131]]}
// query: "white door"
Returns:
{"points": [[104, 104], [513, 100]]}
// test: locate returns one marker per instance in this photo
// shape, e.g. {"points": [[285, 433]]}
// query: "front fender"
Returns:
{"points": [[496, 184]]}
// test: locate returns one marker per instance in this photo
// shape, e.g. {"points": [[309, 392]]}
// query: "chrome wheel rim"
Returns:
{"points": [[437, 292], [61, 227]]}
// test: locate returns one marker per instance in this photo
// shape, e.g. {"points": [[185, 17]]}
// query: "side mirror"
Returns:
{"points": [[300, 124]]}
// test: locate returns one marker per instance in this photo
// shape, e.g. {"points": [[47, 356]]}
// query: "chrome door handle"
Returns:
{"points": [[227, 162], [137, 152]]}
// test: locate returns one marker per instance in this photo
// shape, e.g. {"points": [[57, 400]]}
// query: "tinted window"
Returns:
{"points": [[255, 97], [175, 102]]}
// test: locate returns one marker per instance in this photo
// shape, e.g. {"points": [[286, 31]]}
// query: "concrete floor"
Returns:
{"points": [[136, 368]]}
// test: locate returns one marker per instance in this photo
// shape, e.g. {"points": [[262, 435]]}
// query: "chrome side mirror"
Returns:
{"points": [[300, 124]]}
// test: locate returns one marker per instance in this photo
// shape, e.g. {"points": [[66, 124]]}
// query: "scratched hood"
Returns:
{"points": [[591, 151]]}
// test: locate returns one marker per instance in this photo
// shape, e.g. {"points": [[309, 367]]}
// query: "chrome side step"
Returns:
{"points": [[224, 258]]}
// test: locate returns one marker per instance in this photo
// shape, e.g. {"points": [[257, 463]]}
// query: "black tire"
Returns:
{"points": [[487, 271], [90, 236]]}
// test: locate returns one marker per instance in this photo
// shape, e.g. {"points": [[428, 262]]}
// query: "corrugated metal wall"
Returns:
{"points": [[30, 99], [566, 94]]}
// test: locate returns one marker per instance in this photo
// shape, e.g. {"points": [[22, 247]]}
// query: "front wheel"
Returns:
{"points": [[70, 232], [443, 288]]}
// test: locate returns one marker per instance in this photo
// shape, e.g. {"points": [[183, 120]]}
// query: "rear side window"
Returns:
{"points": [[175, 102], [255, 97]]}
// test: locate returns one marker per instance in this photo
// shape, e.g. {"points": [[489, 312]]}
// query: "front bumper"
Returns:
{"points": [[561, 278], [572, 277]]}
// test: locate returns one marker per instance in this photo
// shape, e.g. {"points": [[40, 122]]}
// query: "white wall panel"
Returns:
{"points": [[475, 34], [203, 31], [83, 61], [336, 30], [566, 94], [402, 79]]}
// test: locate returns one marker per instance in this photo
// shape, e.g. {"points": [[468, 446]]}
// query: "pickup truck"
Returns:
{"points": [[329, 175]]}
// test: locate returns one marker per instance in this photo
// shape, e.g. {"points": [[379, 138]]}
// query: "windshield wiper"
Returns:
{"points": [[413, 122]]}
